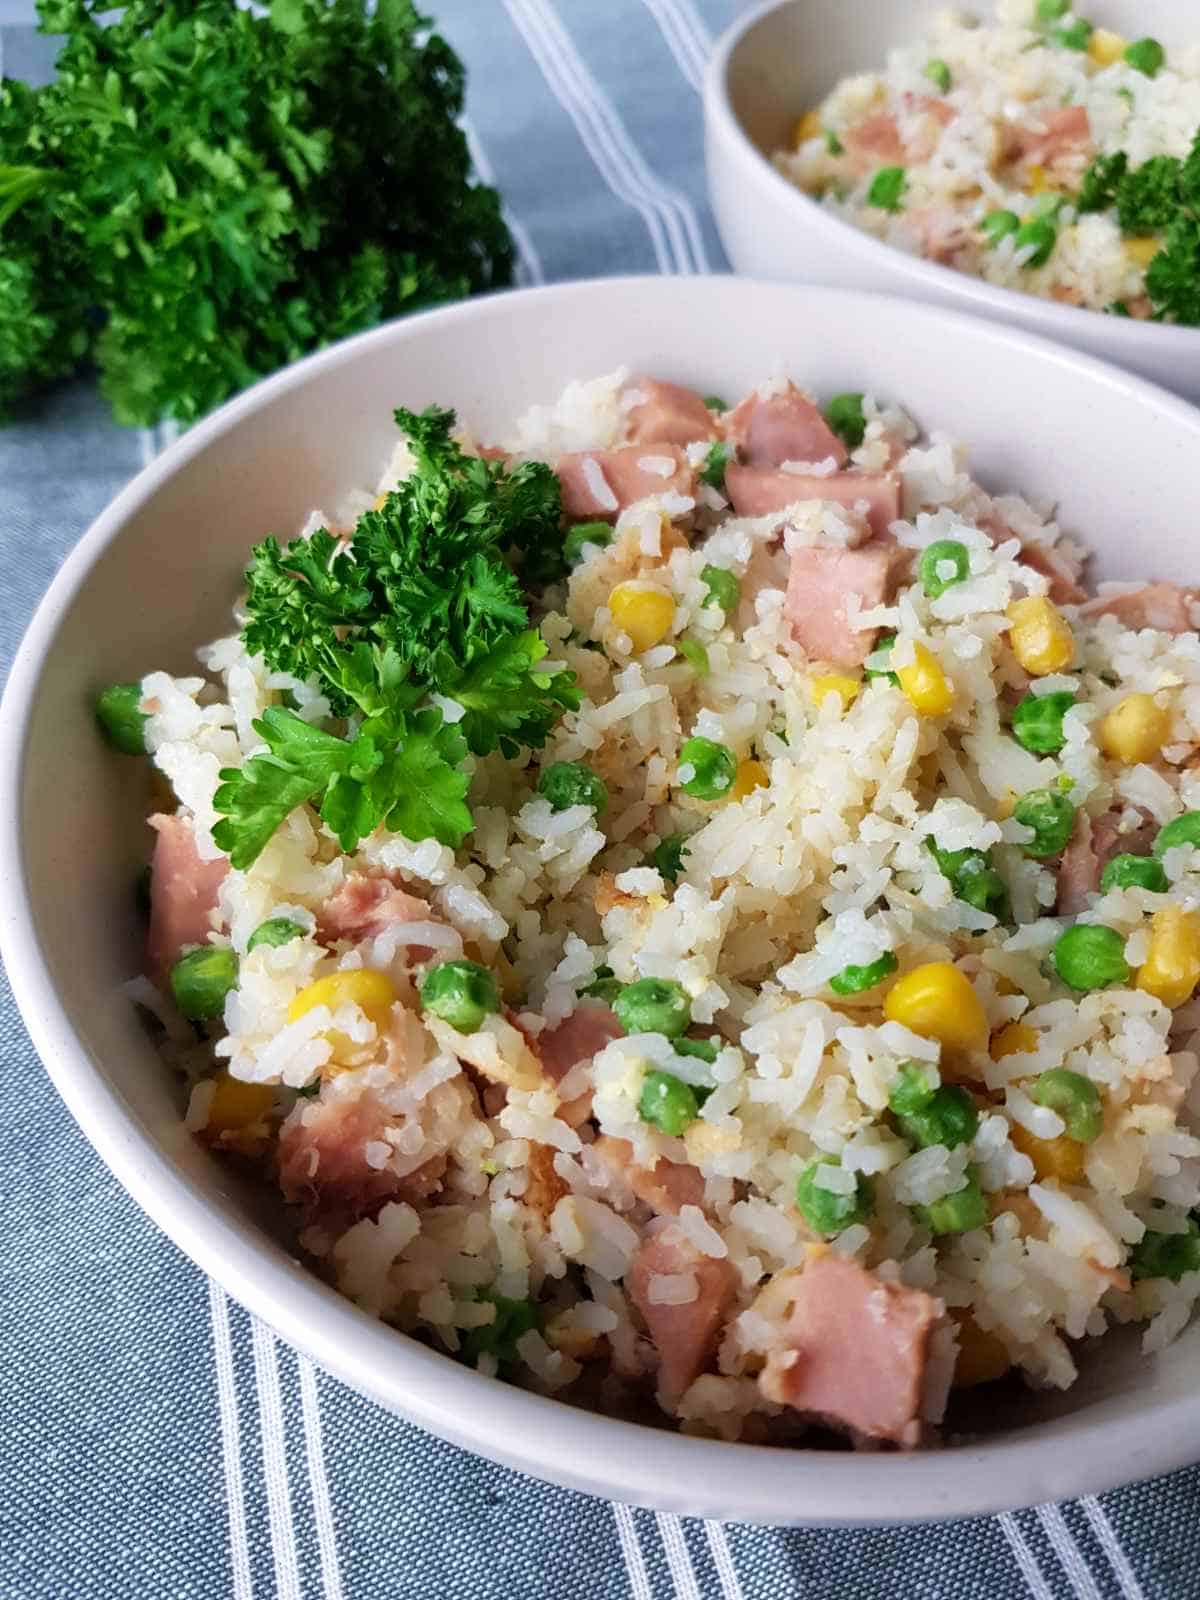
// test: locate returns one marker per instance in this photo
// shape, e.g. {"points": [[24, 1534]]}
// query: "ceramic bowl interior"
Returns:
{"points": [[156, 575]]}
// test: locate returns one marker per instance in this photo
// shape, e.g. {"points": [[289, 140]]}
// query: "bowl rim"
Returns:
{"points": [[576, 1449], [1128, 336]]}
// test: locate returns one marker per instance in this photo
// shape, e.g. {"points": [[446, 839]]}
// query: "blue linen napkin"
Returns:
{"points": [[155, 1442]]}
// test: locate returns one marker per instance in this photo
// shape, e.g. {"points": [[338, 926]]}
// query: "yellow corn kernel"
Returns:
{"points": [[938, 1002], [372, 992], [1040, 636], [1135, 729], [643, 612], [981, 1355], [1016, 1039], [1036, 181], [237, 1105], [1141, 252], [1060, 1158], [750, 775], [837, 683], [806, 127], [1172, 967], [1105, 47], [925, 684]]}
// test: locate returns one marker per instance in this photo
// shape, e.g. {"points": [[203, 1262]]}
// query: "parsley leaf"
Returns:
{"points": [[507, 703]]}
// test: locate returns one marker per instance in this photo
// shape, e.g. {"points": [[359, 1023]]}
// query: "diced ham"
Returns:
{"points": [[183, 891], [602, 483], [685, 1336], [769, 430], [668, 414], [943, 232], [755, 491], [1079, 870], [322, 1157], [1164, 606], [576, 1038], [665, 1187], [875, 142], [365, 906], [858, 1350], [1060, 133], [822, 580]]}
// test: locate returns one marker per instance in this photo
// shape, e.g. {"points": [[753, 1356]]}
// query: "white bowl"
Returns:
{"points": [[155, 576], [782, 58]]}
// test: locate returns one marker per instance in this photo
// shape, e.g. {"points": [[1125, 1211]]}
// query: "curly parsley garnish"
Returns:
{"points": [[424, 601]]}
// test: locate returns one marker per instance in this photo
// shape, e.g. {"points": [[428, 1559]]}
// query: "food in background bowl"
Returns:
{"points": [[1038, 152], [697, 901]]}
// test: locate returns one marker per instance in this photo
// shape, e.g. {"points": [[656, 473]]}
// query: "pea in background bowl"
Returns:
{"points": [[781, 58], [155, 576]]}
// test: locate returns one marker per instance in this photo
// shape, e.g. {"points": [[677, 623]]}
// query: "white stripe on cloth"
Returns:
{"points": [[631, 1551], [231, 1456], [675, 1548], [722, 1555], [529, 263], [274, 1456], [668, 216], [1024, 1557], [689, 58], [693, 26], [1106, 1534], [1062, 1542], [314, 1455]]}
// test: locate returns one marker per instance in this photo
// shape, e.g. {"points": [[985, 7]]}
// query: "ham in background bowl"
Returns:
{"points": [[156, 574]]}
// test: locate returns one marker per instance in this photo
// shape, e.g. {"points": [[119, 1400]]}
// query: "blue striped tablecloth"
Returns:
{"points": [[155, 1443]]}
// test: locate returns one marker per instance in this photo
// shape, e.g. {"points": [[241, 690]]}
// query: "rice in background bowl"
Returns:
{"points": [[257, 460]]}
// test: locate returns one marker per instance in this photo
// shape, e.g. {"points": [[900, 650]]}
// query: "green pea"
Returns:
{"points": [[1051, 10], [1182, 830], [1134, 872], [825, 1210], [700, 1049], [1075, 36], [121, 722], [886, 189], [668, 1103], [998, 225], [950, 552], [853, 980], [1051, 816], [1042, 235], [603, 986], [1146, 55], [667, 855], [461, 993], [833, 144], [713, 768], [715, 403], [956, 1213], [654, 1005], [986, 890], [201, 980], [1037, 722], [938, 74], [884, 646], [948, 1117], [724, 590], [846, 417], [513, 1319], [718, 458], [570, 783], [911, 1089], [1089, 956], [1075, 1098], [695, 655], [274, 931], [1166, 1255], [585, 533]]}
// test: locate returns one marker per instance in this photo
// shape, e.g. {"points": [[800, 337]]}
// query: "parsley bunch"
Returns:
{"points": [[205, 193], [1162, 196], [427, 599]]}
